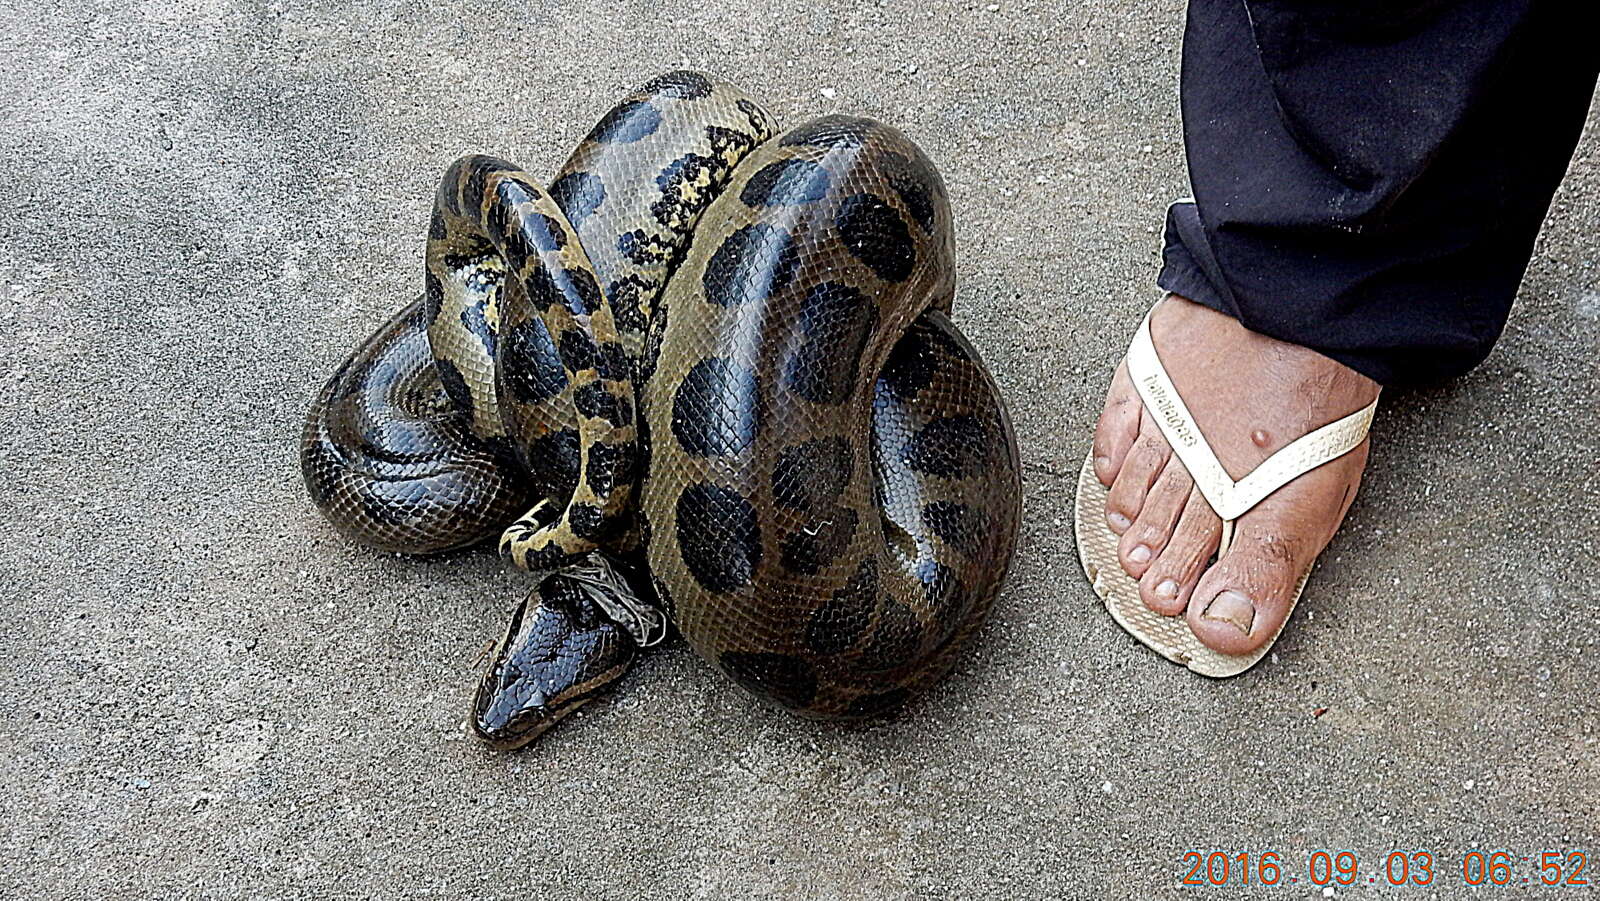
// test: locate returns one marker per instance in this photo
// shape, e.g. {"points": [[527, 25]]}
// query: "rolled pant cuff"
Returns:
{"points": [[1189, 270]]}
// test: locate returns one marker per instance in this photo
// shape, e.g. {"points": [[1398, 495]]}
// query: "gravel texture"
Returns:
{"points": [[204, 692]]}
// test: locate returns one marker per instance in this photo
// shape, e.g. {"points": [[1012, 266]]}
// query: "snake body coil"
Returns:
{"points": [[718, 356]]}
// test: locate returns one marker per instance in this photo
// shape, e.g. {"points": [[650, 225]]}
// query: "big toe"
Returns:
{"points": [[1241, 602]]}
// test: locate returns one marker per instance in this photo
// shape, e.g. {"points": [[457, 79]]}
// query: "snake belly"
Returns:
{"points": [[720, 353]]}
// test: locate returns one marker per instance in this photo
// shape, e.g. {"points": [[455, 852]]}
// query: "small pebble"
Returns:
{"points": [[829, 93]]}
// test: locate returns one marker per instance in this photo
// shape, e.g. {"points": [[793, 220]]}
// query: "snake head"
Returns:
{"points": [[563, 647]]}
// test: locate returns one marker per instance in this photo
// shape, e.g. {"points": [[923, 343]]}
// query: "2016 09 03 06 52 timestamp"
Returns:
{"points": [[1399, 867]]}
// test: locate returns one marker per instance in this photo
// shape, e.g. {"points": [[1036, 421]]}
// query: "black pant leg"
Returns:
{"points": [[1369, 176]]}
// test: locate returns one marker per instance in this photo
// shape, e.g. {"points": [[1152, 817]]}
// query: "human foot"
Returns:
{"points": [[1249, 395]]}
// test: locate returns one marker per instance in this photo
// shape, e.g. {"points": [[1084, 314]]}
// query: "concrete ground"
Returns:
{"points": [[204, 692]]}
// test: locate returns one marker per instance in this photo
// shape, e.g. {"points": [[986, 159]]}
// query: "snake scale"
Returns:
{"points": [[707, 377]]}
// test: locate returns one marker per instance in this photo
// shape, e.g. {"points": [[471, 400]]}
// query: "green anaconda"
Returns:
{"points": [[707, 377]]}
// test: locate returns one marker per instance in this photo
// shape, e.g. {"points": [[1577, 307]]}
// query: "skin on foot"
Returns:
{"points": [[1250, 395]]}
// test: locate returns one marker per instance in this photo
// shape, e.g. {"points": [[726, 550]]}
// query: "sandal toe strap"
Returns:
{"points": [[1229, 498]]}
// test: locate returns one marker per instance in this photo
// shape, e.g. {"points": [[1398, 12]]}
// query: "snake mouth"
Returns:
{"points": [[561, 649], [522, 728]]}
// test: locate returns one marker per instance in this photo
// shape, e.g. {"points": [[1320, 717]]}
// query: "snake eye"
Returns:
{"points": [[534, 700]]}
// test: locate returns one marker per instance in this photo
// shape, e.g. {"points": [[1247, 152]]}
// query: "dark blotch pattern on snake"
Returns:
{"points": [[707, 376]]}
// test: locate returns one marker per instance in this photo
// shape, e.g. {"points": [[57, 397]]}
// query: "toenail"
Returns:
{"points": [[1118, 521], [1167, 589], [1102, 463], [1232, 607], [1260, 438], [1139, 554]]}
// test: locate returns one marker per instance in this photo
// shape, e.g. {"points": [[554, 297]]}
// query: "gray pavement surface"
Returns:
{"points": [[204, 692]]}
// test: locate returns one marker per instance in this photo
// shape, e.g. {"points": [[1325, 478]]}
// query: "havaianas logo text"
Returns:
{"points": [[1169, 411]]}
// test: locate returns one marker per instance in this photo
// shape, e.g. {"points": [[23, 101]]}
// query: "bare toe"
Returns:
{"points": [[1140, 468], [1118, 427], [1242, 601], [1171, 578], [1158, 516]]}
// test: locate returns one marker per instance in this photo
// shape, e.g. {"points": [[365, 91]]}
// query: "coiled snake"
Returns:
{"points": [[708, 374]]}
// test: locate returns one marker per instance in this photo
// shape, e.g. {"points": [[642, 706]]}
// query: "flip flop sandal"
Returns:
{"points": [[1170, 636]]}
